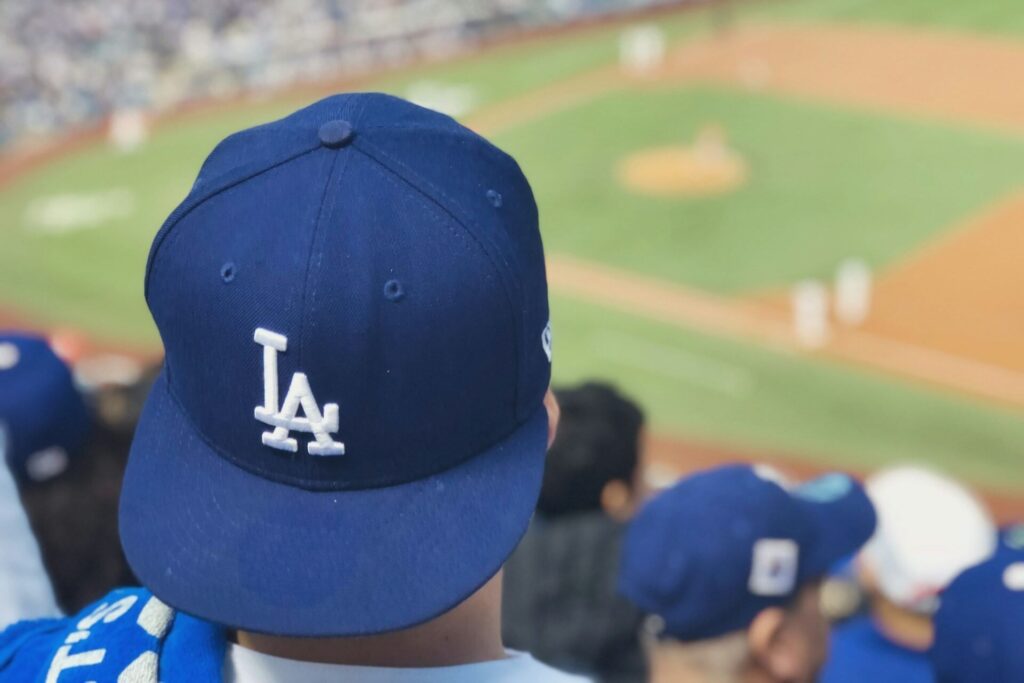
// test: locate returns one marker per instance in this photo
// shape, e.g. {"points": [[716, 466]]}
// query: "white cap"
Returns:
{"points": [[930, 528]]}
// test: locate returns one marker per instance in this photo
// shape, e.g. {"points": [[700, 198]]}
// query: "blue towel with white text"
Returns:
{"points": [[127, 637]]}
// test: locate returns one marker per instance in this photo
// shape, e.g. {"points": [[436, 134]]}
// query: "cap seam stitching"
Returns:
{"points": [[312, 295], [188, 206], [512, 310], [309, 256]]}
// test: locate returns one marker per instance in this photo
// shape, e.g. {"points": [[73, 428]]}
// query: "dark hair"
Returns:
{"points": [[598, 442], [74, 515]]}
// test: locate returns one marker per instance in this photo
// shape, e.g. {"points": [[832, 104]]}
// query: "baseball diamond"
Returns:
{"points": [[684, 199]]}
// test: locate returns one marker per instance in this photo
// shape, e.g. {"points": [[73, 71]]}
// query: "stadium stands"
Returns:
{"points": [[65, 64]]}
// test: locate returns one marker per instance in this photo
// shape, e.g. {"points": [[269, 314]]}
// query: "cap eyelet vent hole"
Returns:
{"points": [[393, 291], [494, 197], [227, 272]]}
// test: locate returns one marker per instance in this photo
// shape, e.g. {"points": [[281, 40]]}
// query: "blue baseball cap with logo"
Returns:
{"points": [[710, 553], [979, 623], [44, 421], [348, 435]]}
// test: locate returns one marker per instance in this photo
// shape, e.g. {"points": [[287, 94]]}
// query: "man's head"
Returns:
{"points": [[730, 562], [930, 528], [593, 463], [349, 433], [979, 623]]}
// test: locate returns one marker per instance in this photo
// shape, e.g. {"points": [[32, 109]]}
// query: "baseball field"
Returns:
{"points": [[771, 142]]}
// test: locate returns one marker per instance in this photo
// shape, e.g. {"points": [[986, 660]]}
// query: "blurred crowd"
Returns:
{"points": [[906, 579], [66, 64]]}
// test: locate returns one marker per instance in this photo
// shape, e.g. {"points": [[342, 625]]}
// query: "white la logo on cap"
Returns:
{"points": [[773, 572], [285, 419]]}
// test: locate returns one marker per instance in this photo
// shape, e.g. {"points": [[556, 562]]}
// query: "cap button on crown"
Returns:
{"points": [[335, 134]]}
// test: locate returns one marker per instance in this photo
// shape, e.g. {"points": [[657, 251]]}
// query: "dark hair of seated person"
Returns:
{"points": [[598, 443]]}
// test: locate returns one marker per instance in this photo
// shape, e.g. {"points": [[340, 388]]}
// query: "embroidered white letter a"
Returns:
{"points": [[285, 419]]}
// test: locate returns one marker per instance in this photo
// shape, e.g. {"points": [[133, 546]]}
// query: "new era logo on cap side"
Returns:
{"points": [[285, 418], [774, 569], [1013, 577]]}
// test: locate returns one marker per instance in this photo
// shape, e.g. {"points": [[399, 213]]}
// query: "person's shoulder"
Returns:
{"points": [[857, 629], [56, 644], [859, 652], [122, 635]]}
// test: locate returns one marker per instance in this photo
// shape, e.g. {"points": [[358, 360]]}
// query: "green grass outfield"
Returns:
{"points": [[704, 387], [826, 183], [996, 17]]}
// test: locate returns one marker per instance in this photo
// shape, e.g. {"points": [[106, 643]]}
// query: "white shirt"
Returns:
{"points": [[242, 665], [25, 590]]}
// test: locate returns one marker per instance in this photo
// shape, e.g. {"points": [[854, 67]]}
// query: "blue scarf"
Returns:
{"points": [[127, 637]]}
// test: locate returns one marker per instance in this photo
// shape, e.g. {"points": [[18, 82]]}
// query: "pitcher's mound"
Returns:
{"points": [[707, 167]]}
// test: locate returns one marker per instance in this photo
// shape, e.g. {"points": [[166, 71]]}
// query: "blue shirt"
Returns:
{"points": [[861, 654]]}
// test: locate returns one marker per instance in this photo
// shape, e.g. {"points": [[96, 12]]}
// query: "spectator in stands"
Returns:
{"points": [[68, 461], [979, 623], [74, 513], [348, 436], [930, 528], [560, 598], [729, 564], [73, 64], [43, 420], [74, 517]]}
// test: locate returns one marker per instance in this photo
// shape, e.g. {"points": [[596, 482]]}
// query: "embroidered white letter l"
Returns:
{"points": [[285, 418]]}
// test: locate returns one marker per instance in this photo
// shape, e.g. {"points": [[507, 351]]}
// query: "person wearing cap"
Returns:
{"points": [[67, 455], [43, 422], [45, 415], [979, 623], [930, 528], [729, 564], [348, 436]]}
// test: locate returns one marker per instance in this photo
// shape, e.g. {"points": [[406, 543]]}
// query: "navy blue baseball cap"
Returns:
{"points": [[348, 435], [710, 553], [44, 421], [979, 623]]}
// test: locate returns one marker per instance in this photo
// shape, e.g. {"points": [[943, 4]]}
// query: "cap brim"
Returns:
{"points": [[221, 543], [842, 517]]}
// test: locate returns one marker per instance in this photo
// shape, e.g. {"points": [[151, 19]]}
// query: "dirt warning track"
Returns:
{"points": [[769, 325], [951, 76], [963, 294]]}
